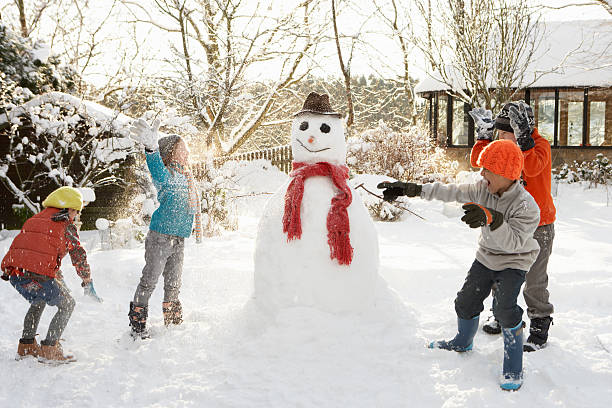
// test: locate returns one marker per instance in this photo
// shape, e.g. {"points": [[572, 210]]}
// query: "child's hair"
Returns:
{"points": [[167, 145]]}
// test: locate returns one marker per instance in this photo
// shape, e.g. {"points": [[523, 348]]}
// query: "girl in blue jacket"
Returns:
{"points": [[171, 223]]}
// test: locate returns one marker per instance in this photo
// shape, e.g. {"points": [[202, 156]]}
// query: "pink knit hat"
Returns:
{"points": [[504, 158]]}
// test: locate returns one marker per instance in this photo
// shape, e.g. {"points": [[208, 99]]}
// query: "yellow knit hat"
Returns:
{"points": [[65, 197]]}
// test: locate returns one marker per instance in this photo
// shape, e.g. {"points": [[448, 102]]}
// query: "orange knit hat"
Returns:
{"points": [[502, 157]]}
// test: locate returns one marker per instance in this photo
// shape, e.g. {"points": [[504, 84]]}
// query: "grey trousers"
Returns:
{"points": [[163, 254], [58, 322], [536, 281]]}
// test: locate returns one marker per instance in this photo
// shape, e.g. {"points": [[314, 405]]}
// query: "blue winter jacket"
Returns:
{"points": [[174, 216]]}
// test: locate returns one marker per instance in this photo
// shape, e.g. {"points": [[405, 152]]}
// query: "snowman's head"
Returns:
{"points": [[317, 133]]}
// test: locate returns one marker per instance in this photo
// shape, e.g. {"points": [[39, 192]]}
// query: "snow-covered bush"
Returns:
{"points": [[365, 185], [28, 69], [409, 154], [595, 172], [118, 234], [56, 140], [218, 210]]}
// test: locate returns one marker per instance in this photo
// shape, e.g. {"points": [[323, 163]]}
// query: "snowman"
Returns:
{"points": [[316, 243]]}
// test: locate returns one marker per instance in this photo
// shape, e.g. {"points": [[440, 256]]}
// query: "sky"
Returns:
{"points": [[376, 54]]}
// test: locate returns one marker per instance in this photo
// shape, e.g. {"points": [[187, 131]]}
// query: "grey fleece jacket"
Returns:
{"points": [[512, 244]]}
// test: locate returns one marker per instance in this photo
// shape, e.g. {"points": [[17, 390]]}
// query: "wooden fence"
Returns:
{"points": [[280, 157]]}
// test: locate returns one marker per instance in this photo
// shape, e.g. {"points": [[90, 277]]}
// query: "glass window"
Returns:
{"points": [[460, 124], [441, 135], [597, 123], [571, 104], [543, 104], [600, 117], [428, 118]]}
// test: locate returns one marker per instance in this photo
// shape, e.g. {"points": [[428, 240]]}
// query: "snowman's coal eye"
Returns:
{"points": [[325, 128], [303, 126]]}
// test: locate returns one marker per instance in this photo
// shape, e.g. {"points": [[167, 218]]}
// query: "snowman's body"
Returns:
{"points": [[301, 272]]}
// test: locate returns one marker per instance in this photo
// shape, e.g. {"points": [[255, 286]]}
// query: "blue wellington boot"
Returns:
{"points": [[513, 358], [464, 339]]}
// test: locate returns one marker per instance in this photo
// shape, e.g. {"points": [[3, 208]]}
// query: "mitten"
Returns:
{"points": [[483, 119], [519, 121], [398, 188], [478, 216], [147, 135], [88, 290]]}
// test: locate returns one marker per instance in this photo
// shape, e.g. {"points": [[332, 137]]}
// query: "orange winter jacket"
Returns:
{"points": [[537, 174]]}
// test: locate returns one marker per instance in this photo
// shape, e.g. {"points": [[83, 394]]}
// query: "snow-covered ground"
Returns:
{"points": [[226, 354]]}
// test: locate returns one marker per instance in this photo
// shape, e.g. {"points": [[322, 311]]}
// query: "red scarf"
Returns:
{"points": [[337, 219]]}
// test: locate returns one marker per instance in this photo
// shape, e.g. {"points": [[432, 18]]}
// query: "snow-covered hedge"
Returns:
{"points": [[28, 69], [410, 154], [56, 139], [365, 185], [236, 188], [596, 171]]}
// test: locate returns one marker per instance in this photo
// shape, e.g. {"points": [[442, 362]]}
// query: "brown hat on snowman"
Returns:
{"points": [[317, 104]]}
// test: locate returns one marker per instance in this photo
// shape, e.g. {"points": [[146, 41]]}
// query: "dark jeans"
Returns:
{"points": [[477, 287]]}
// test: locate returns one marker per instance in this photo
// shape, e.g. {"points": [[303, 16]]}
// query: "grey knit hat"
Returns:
{"points": [[167, 143], [502, 120]]}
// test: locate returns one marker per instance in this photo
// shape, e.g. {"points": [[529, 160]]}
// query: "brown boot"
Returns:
{"points": [[53, 354], [173, 312], [27, 347]]}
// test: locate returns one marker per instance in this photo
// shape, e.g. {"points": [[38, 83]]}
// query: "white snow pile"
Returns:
{"points": [[228, 354]]}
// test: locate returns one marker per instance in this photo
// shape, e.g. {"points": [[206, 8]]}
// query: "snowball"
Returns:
{"points": [[102, 224], [88, 194]]}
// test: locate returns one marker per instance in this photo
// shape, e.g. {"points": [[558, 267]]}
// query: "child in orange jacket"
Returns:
{"points": [[516, 122]]}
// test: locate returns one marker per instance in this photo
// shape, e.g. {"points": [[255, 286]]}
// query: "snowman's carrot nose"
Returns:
{"points": [[311, 139]]}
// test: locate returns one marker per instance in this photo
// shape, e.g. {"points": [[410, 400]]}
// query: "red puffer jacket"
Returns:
{"points": [[39, 247]]}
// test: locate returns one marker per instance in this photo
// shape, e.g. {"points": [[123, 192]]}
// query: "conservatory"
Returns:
{"points": [[572, 103]]}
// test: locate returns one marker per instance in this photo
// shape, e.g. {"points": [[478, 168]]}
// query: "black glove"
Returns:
{"points": [[398, 188], [479, 216], [519, 121]]}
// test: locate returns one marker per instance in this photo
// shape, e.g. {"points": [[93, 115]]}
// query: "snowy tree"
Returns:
{"points": [[56, 140], [480, 49], [395, 17], [233, 38]]}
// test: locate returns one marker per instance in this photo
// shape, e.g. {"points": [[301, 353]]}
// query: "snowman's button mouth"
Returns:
{"points": [[311, 151]]}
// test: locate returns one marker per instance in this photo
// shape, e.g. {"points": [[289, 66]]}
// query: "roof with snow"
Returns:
{"points": [[571, 54], [101, 114]]}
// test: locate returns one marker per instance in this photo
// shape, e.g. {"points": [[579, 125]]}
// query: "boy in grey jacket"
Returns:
{"points": [[508, 216]]}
